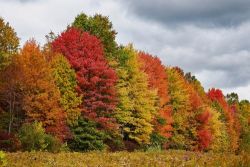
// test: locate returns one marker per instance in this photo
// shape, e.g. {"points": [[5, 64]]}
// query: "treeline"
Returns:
{"points": [[82, 91]]}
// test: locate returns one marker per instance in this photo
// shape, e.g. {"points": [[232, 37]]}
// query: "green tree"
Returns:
{"points": [[245, 123], [33, 137], [232, 98], [86, 136], [102, 28]]}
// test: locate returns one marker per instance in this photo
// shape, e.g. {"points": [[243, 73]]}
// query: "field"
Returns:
{"points": [[126, 159]]}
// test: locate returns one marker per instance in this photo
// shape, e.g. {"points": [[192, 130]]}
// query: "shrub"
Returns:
{"points": [[53, 144], [9, 142], [157, 142], [33, 137], [3, 161]]}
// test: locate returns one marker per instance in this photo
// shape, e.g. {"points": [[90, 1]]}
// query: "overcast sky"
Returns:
{"points": [[209, 38]]}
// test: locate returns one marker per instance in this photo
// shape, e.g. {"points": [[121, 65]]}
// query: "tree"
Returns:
{"points": [[102, 28], [87, 137], [157, 79], [9, 91], [197, 86], [245, 123], [9, 43], [11, 96], [179, 100], [232, 98], [33, 137], [137, 105], [65, 79], [228, 117], [204, 131], [96, 80], [220, 138], [41, 96]]}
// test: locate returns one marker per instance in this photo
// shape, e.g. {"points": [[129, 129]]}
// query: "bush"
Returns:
{"points": [[9, 142], [157, 142], [34, 138], [53, 144], [3, 161]]}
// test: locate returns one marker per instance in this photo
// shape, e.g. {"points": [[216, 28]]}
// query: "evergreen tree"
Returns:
{"points": [[102, 28], [86, 136]]}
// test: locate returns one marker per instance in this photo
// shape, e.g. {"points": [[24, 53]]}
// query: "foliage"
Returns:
{"points": [[86, 136], [95, 78], [33, 137], [41, 96], [111, 97], [137, 105], [232, 98], [197, 86], [157, 142], [229, 117], [9, 43], [11, 95], [9, 90], [220, 139], [3, 160], [204, 132], [65, 79], [184, 133], [102, 28], [9, 142], [157, 79], [245, 123]]}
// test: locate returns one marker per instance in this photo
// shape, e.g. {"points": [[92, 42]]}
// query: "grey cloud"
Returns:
{"points": [[209, 13], [21, 1], [212, 39], [222, 52]]}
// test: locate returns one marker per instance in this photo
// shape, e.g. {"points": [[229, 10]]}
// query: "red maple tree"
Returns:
{"points": [[157, 78], [233, 128], [96, 80]]}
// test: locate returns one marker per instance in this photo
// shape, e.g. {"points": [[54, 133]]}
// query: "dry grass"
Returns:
{"points": [[125, 159]]}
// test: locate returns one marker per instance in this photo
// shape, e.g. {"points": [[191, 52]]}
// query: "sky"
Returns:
{"points": [[209, 38]]}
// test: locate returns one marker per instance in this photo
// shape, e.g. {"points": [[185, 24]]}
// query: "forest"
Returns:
{"points": [[82, 91]]}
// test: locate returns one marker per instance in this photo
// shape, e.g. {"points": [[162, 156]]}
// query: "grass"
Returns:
{"points": [[171, 158]]}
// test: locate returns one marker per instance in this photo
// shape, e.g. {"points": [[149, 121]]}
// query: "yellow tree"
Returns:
{"points": [[184, 123], [9, 43], [137, 104], [157, 79], [65, 79]]}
